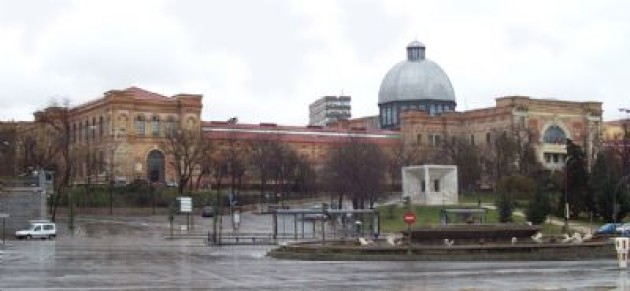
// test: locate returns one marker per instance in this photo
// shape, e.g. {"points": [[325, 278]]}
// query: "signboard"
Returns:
{"points": [[409, 218], [4, 215], [185, 204]]}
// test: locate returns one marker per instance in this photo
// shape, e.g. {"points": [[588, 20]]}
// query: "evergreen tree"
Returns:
{"points": [[508, 189], [576, 184], [540, 206]]}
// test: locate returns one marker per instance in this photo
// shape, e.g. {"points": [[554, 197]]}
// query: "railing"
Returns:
{"points": [[249, 238], [19, 182]]}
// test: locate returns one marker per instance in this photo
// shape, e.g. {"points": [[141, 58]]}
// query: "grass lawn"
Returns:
{"points": [[391, 218], [474, 197]]}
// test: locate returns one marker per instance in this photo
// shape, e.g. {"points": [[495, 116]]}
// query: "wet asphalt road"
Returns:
{"points": [[131, 254]]}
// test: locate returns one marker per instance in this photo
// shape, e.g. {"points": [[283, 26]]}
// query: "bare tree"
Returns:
{"points": [[234, 162], [262, 158], [355, 169], [58, 119], [500, 155], [401, 156], [38, 147], [304, 177], [464, 154], [187, 148]]}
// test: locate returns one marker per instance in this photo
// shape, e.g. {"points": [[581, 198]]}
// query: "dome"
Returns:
{"points": [[416, 78]]}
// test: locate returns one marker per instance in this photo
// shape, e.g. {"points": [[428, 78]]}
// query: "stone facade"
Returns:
{"points": [[113, 137], [542, 118]]}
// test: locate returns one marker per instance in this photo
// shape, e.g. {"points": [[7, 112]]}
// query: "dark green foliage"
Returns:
{"points": [[539, 207], [579, 197], [505, 207], [508, 190], [613, 203]]}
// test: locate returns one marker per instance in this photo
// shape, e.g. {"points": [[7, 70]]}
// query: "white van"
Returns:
{"points": [[38, 229]]}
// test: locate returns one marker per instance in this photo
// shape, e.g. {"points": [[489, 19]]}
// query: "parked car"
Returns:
{"points": [[207, 211], [609, 229], [623, 229], [38, 229]]}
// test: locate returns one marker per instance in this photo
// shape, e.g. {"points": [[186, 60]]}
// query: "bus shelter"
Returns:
{"points": [[324, 223]]}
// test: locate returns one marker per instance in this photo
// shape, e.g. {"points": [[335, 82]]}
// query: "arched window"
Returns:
{"points": [[140, 125], [155, 125], [554, 134], [191, 122]]}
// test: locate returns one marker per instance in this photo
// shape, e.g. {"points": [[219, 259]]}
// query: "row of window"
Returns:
{"points": [[554, 158], [91, 129], [390, 113], [82, 131], [436, 139], [140, 123], [553, 134]]}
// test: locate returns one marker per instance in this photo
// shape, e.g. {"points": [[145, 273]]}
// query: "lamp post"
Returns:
{"points": [[566, 188]]}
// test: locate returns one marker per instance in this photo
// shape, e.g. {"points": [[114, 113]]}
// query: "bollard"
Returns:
{"points": [[621, 245]]}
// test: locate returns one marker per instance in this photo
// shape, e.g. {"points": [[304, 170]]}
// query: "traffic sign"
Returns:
{"points": [[409, 218], [185, 204]]}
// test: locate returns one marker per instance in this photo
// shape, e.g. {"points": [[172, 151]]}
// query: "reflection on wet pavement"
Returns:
{"points": [[131, 253]]}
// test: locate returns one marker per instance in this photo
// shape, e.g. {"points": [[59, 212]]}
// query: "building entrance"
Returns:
{"points": [[155, 166]]}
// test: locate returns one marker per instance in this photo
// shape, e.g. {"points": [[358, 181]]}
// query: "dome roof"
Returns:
{"points": [[415, 43], [416, 78]]}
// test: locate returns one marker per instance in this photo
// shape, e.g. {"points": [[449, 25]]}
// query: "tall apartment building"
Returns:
{"points": [[329, 109]]}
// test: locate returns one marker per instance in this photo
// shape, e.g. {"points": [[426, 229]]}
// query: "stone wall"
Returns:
{"points": [[22, 205]]}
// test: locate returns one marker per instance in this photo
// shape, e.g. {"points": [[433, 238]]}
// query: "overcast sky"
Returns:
{"points": [[266, 61]]}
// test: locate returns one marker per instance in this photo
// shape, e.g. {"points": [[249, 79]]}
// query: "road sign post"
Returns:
{"points": [[409, 218], [185, 204]]}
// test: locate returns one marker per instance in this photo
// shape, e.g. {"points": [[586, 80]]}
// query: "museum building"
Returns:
{"points": [[123, 130]]}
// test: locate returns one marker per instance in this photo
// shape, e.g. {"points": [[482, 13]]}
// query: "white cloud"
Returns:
{"points": [[267, 60]]}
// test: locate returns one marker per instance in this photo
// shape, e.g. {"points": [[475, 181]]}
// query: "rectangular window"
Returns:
{"points": [[436, 185], [140, 127], [419, 139], [472, 139], [155, 127]]}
